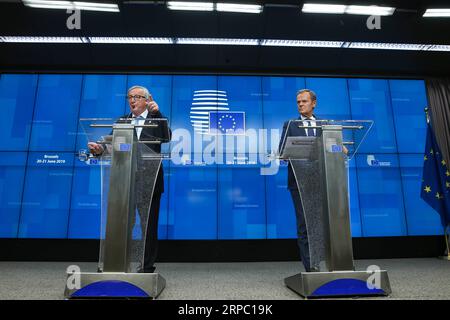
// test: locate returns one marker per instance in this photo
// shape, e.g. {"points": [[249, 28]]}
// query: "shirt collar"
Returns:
{"points": [[302, 117], [143, 114]]}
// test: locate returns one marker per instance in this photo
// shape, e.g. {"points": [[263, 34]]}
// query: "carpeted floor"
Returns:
{"points": [[409, 278]]}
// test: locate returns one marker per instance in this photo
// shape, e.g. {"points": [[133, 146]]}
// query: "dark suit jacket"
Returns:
{"points": [[159, 133], [292, 130]]}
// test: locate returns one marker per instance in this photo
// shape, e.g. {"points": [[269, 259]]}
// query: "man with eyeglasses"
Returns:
{"points": [[143, 107]]}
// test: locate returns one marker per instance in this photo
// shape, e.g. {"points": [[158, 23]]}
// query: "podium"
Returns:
{"points": [[129, 170], [320, 167]]}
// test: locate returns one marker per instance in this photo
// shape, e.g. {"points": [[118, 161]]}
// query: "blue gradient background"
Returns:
{"points": [[41, 117]]}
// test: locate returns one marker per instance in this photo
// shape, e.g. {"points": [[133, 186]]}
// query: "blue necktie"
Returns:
{"points": [[310, 131]]}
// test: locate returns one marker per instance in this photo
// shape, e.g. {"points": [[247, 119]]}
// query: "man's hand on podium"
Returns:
{"points": [[95, 148], [345, 150]]}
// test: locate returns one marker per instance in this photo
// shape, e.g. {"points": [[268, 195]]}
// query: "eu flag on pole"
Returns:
{"points": [[227, 122], [436, 179]]}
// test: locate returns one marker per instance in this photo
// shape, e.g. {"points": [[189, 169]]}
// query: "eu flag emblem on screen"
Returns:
{"points": [[227, 122]]}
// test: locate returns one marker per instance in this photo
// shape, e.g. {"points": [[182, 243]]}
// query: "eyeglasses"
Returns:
{"points": [[136, 97]]}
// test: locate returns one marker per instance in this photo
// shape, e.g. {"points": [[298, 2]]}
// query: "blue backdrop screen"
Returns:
{"points": [[46, 192], [380, 196], [46, 195], [370, 99], [56, 112], [17, 98], [12, 172]]}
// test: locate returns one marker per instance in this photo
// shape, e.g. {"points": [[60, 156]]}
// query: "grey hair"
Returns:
{"points": [[146, 92], [312, 94]]}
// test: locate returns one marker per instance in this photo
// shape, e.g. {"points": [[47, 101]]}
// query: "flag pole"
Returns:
{"points": [[446, 230], [446, 235]]}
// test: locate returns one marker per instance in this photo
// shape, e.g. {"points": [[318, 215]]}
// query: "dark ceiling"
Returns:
{"points": [[279, 20]]}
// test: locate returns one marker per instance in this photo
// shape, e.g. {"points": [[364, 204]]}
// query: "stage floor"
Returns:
{"points": [[409, 278]]}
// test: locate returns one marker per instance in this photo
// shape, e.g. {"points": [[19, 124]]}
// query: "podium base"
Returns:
{"points": [[109, 285], [339, 284]]}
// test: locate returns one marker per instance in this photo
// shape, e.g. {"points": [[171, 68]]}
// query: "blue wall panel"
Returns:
{"points": [[279, 104], [56, 113], [242, 213], [380, 196], [193, 186], [370, 100], [46, 198], [207, 200], [408, 103], [17, 96], [12, 172], [332, 98], [279, 208], [193, 202], [103, 96], [85, 206]]}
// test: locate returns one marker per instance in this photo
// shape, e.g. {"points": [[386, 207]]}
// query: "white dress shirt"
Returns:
{"points": [[139, 122], [307, 122]]}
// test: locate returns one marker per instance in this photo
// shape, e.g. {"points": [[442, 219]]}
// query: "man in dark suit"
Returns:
{"points": [[306, 102], [142, 109]]}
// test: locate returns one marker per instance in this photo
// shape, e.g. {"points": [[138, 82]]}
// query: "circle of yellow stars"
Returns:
{"points": [[427, 189], [226, 117]]}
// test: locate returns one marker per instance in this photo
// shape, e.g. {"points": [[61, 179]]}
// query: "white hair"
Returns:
{"points": [[146, 92]]}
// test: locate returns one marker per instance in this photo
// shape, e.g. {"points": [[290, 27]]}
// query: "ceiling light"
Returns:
{"points": [[437, 13], [131, 40], [370, 10], [323, 8], [439, 47], [71, 5], [43, 39], [242, 8], [341, 9], [386, 46], [302, 43], [201, 94], [216, 41], [190, 6]]}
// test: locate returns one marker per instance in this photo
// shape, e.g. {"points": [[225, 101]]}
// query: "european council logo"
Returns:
{"points": [[210, 114], [227, 122]]}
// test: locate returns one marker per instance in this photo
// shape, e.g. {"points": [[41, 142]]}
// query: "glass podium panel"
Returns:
{"points": [[320, 163], [353, 134], [126, 204], [129, 151]]}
